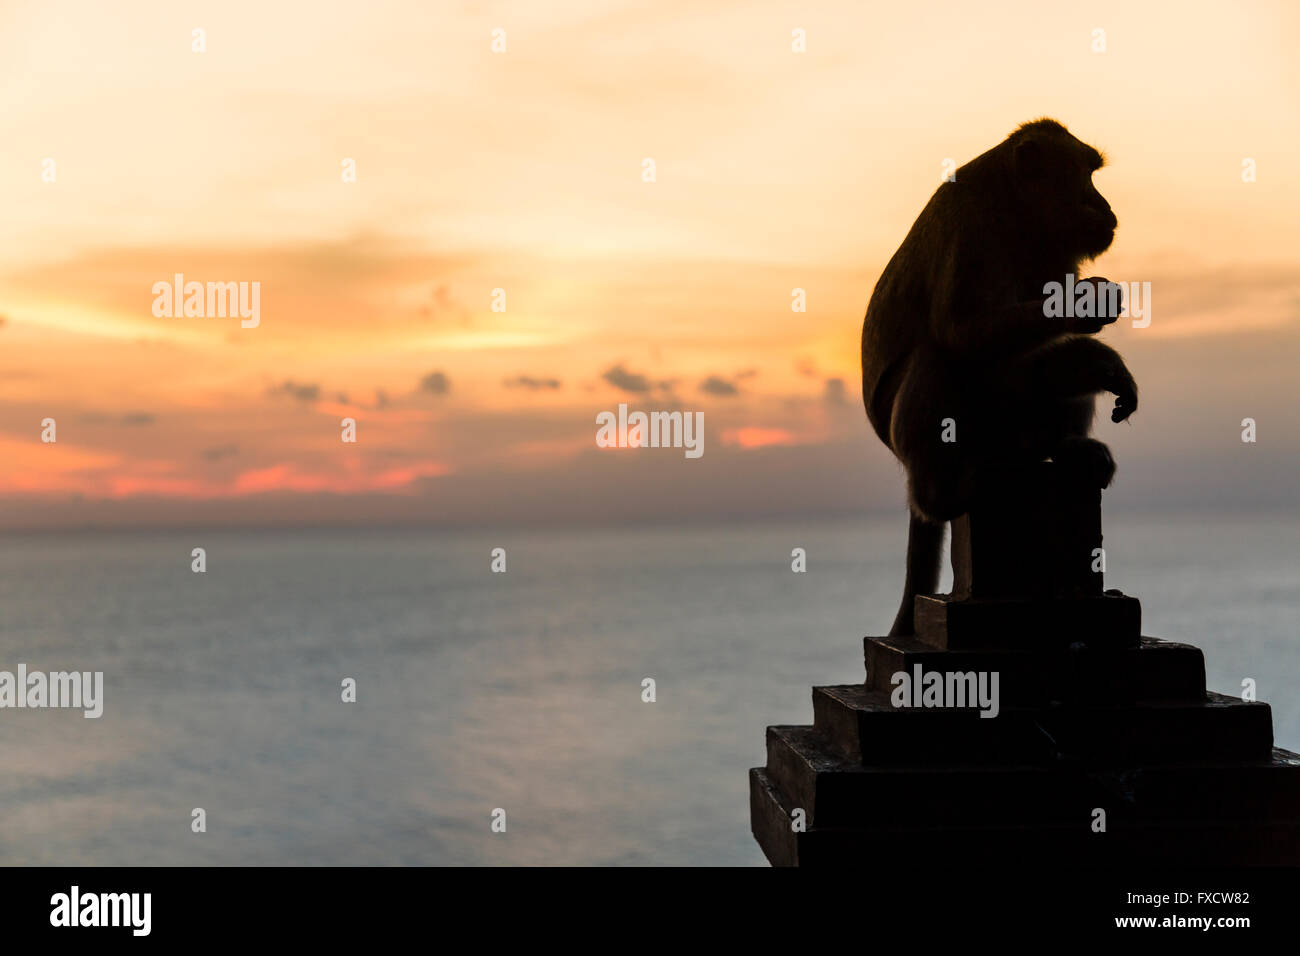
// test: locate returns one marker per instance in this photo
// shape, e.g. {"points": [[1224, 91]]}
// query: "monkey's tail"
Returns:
{"points": [[924, 553]]}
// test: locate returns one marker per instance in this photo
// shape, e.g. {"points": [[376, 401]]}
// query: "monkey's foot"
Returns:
{"points": [[1088, 458]]}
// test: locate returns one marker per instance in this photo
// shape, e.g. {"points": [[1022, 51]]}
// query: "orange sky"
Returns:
{"points": [[522, 171]]}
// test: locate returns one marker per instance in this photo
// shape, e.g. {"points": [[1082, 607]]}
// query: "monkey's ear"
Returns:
{"points": [[1030, 157]]}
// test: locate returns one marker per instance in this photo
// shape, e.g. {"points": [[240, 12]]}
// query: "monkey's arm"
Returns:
{"points": [[1004, 330], [961, 322], [1070, 366]]}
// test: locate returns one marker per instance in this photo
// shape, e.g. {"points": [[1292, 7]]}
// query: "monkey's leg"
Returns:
{"points": [[1086, 457], [1065, 439], [924, 557], [933, 431], [926, 433], [1053, 386]]}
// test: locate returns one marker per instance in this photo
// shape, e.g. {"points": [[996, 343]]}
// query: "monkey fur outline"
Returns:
{"points": [[956, 329]]}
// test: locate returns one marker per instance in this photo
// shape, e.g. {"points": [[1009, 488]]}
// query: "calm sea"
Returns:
{"points": [[477, 691]]}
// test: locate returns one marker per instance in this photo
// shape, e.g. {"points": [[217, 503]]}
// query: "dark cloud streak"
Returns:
{"points": [[532, 383], [436, 383], [303, 392]]}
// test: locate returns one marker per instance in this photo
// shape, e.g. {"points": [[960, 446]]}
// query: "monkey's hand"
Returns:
{"points": [[1125, 391], [1107, 304]]}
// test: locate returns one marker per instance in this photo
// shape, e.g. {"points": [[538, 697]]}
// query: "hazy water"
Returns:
{"points": [[477, 690]]}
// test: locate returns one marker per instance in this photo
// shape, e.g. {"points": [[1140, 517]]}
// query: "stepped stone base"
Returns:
{"points": [[1090, 716], [1183, 775]]}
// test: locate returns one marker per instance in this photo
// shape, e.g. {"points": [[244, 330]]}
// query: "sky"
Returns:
{"points": [[516, 178]]}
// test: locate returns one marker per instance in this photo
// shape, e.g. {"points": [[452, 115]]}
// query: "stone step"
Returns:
{"points": [[837, 792], [1109, 620], [1152, 670], [1265, 790], [862, 724], [1203, 843]]}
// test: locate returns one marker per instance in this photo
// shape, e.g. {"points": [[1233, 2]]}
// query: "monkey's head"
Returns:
{"points": [[1053, 177]]}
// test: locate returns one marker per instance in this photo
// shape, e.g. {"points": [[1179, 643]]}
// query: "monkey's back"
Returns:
{"points": [[900, 302], [950, 239]]}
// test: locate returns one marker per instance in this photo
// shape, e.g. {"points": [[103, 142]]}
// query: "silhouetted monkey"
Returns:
{"points": [[957, 330]]}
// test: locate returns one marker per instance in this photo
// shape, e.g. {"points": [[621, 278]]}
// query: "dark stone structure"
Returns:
{"points": [[1092, 716]]}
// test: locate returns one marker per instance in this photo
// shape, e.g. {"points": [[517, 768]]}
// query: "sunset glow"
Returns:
{"points": [[500, 270]]}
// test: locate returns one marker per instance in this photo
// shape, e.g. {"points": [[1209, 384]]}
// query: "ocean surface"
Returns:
{"points": [[476, 691]]}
